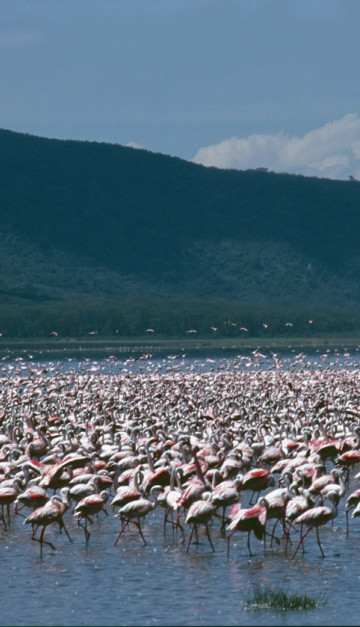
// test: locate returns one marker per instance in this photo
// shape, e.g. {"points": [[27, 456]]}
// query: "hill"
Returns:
{"points": [[86, 221]]}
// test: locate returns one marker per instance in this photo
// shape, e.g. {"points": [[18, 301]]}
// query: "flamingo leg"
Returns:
{"points": [[137, 523], [87, 533], [178, 524], [228, 543], [165, 521], [17, 511], [175, 524], [34, 529], [248, 543], [197, 535], [80, 523], [301, 530], [42, 541], [62, 526], [3, 518], [179, 516], [266, 533], [318, 540], [273, 532], [208, 535], [287, 533], [191, 534], [122, 530], [301, 541]]}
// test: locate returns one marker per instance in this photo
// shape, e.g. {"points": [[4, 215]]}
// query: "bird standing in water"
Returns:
{"points": [[315, 517], [49, 513]]}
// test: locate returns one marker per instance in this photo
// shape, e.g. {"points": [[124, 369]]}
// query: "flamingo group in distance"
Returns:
{"points": [[263, 445]]}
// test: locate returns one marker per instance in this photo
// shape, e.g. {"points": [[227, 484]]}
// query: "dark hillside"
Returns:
{"points": [[89, 220]]}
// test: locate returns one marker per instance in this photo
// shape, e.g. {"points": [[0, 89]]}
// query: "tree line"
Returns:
{"points": [[170, 318]]}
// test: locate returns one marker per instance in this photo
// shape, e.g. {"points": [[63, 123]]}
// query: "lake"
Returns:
{"points": [[160, 583]]}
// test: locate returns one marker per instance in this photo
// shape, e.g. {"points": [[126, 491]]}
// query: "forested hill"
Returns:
{"points": [[93, 221]]}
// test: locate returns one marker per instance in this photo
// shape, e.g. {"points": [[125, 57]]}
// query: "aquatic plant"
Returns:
{"points": [[275, 598]]}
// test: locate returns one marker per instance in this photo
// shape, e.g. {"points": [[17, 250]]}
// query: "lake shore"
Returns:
{"points": [[108, 346]]}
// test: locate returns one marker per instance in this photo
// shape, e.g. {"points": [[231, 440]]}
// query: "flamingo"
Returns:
{"points": [[135, 510], [49, 513], [34, 496], [316, 517], [170, 499], [348, 459], [88, 506], [225, 493], [256, 480], [275, 506], [158, 477], [251, 519], [124, 495], [340, 487], [356, 512], [352, 502], [196, 486], [200, 513], [318, 485], [40, 446], [296, 506], [8, 495], [80, 490]]}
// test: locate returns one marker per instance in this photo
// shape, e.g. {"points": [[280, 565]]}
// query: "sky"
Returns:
{"points": [[226, 83]]}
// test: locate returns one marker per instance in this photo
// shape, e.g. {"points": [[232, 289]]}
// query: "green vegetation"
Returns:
{"points": [[275, 598], [102, 237], [173, 318]]}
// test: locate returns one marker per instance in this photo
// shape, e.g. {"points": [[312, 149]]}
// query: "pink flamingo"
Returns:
{"points": [[170, 499], [200, 513], [251, 519], [34, 497], [49, 513], [7, 496], [124, 495], [348, 459], [224, 494], [127, 493], [135, 510], [316, 517], [195, 488], [89, 506], [296, 506], [40, 446], [318, 485], [352, 502], [256, 480], [155, 477]]}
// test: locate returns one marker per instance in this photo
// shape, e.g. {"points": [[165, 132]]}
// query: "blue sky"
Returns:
{"points": [[231, 83]]}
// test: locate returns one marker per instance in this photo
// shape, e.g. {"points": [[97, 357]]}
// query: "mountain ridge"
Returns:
{"points": [[91, 220]]}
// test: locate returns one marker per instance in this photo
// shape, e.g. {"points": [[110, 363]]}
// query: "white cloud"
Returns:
{"points": [[332, 151], [134, 145]]}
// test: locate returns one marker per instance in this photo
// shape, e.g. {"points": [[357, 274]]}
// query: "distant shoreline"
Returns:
{"points": [[109, 346]]}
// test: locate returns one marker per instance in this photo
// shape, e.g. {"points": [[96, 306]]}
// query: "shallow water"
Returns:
{"points": [[161, 584]]}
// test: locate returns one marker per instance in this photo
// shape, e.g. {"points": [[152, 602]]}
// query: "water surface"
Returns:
{"points": [[161, 584]]}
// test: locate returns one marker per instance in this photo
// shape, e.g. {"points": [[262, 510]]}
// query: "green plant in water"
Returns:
{"points": [[275, 598]]}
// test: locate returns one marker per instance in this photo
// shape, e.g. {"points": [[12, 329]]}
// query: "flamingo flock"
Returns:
{"points": [[268, 448]]}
